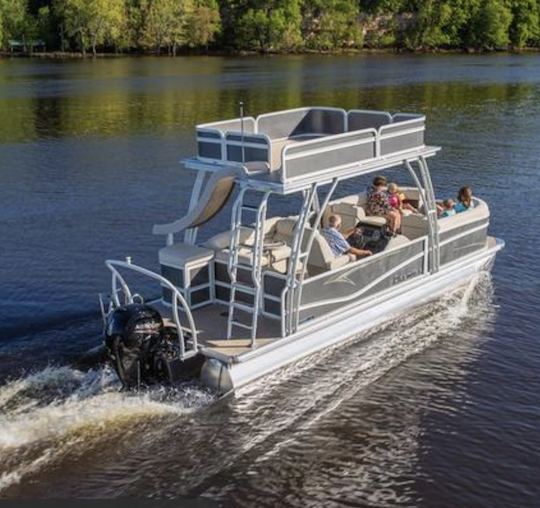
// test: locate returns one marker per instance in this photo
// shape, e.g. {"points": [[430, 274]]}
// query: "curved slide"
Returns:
{"points": [[214, 197]]}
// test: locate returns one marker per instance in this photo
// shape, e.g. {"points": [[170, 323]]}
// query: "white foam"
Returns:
{"points": [[78, 405]]}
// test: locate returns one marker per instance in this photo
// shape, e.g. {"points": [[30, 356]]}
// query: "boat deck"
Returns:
{"points": [[211, 323]]}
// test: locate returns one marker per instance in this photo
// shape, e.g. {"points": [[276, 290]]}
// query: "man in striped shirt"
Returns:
{"points": [[337, 242]]}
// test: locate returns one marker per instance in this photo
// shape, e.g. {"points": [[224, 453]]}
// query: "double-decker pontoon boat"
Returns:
{"points": [[269, 291]]}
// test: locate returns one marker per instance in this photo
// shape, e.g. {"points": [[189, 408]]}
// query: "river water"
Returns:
{"points": [[440, 408]]}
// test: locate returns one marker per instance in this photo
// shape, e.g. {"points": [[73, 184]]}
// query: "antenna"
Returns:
{"points": [[241, 105]]}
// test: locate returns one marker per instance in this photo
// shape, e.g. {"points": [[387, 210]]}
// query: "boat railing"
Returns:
{"points": [[307, 141], [188, 348]]}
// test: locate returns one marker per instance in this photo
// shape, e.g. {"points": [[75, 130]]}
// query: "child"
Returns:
{"points": [[448, 208], [465, 201], [397, 199]]}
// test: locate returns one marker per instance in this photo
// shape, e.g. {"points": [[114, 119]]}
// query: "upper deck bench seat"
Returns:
{"points": [[300, 142]]}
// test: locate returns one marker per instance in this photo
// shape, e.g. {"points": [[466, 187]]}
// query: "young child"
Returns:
{"points": [[397, 199], [448, 208], [465, 201]]}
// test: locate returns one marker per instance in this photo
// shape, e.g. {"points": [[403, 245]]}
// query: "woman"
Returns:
{"points": [[378, 204], [465, 201]]}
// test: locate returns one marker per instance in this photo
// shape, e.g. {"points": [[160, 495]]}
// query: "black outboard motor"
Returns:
{"points": [[142, 350], [132, 334]]}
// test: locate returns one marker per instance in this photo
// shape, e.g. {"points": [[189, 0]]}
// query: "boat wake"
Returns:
{"points": [[61, 415], [48, 413]]}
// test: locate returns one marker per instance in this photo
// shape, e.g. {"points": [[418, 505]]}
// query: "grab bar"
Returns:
{"points": [[177, 299]]}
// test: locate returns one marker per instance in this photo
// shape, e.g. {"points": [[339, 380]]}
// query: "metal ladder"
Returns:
{"points": [[256, 250]]}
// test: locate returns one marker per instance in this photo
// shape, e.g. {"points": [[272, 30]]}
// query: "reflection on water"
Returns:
{"points": [[117, 96]]}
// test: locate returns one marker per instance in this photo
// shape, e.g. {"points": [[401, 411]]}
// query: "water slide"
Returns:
{"points": [[214, 197]]}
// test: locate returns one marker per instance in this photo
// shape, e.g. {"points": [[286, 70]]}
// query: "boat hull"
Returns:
{"points": [[341, 327]]}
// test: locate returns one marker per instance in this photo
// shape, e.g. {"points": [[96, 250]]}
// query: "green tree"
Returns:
{"points": [[270, 26], [16, 23], [203, 23], [489, 25], [92, 22], [331, 24], [429, 25], [524, 28], [166, 24]]}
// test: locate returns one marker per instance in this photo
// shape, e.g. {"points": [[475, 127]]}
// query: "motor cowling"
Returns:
{"points": [[133, 334]]}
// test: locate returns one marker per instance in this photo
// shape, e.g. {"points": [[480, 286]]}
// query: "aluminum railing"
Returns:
{"points": [[176, 301]]}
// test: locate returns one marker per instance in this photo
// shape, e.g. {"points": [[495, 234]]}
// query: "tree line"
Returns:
{"points": [[160, 26]]}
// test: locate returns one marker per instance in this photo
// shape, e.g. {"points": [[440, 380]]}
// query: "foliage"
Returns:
{"points": [[203, 24], [489, 25], [331, 24], [91, 22], [270, 25], [15, 22], [524, 28]]}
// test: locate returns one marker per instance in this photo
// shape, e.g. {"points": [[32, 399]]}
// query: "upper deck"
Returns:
{"points": [[297, 147]]}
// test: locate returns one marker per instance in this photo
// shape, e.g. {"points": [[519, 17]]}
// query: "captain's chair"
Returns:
{"points": [[321, 258]]}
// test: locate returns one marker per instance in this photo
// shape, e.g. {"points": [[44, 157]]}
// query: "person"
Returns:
{"points": [[448, 208], [337, 241], [397, 199], [465, 201], [378, 204]]}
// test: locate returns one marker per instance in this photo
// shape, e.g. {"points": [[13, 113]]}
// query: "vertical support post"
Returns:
{"points": [[307, 250], [428, 198], [434, 230]]}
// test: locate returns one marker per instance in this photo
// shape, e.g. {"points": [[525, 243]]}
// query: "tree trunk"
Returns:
{"points": [[62, 39], [83, 45]]}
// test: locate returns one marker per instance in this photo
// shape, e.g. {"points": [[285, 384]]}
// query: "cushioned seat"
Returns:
{"points": [[270, 256], [373, 220], [321, 258], [351, 212], [278, 235], [181, 254]]}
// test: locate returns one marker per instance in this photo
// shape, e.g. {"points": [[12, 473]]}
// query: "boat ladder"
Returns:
{"points": [[246, 236]]}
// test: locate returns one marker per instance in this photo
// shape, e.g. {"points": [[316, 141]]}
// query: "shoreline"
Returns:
{"points": [[72, 55]]}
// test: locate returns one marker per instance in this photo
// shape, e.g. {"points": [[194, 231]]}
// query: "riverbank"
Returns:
{"points": [[236, 53]]}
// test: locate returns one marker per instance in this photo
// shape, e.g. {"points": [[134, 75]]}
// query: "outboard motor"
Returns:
{"points": [[143, 351], [132, 333]]}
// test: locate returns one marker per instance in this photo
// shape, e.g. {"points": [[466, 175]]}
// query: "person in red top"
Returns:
{"points": [[378, 204], [397, 199]]}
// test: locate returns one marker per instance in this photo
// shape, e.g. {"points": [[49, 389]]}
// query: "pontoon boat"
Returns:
{"points": [[268, 290]]}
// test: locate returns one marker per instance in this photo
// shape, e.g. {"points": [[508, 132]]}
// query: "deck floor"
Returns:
{"points": [[211, 323]]}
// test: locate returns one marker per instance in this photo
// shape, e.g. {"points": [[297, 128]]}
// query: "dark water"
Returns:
{"points": [[441, 408]]}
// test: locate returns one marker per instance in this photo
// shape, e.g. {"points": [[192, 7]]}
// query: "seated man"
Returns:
{"points": [[337, 242]]}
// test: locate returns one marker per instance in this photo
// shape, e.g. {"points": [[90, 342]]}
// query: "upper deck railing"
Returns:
{"points": [[305, 141]]}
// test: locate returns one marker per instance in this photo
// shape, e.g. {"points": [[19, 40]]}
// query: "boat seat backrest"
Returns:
{"points": [[284, 230], [221, 240], [321, 257], [348, 210]]}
